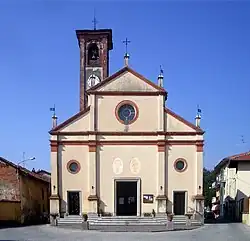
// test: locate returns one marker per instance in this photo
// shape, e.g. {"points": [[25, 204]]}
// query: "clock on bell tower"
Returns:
{"points": [[94, 59]]}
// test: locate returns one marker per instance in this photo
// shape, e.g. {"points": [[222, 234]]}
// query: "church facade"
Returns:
{"points": [[124, 153]]}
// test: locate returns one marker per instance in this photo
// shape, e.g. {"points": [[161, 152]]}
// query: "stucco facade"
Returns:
{"points": [[106, 152]]}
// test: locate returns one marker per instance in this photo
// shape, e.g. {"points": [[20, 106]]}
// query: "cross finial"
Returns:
{"points": [[126, 41], [94, 21], [161, 70], [53, 109], [198, 110]]}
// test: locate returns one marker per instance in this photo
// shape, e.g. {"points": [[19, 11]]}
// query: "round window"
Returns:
{"points": [[126, 113], [180, 165], [73, 166]]}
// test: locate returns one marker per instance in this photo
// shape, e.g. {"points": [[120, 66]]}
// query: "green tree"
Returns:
{"points": [[208, 192]]}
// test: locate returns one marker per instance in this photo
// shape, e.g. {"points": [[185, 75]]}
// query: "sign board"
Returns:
{"points": [[148, 198]]}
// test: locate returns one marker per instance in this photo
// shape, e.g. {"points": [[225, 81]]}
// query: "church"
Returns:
{"points": [[124, 153]]}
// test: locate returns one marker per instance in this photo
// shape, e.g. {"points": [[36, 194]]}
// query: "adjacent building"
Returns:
{"points": [[24, 194], [125, 152], [233, 186]]}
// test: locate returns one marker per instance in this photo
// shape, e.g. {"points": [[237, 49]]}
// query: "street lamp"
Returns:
{"points": [[25, 160]]}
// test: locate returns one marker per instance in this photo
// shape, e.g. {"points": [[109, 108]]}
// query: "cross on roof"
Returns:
{"points": [[126, 41], [94, 21], [53, 109], [161, 70]]}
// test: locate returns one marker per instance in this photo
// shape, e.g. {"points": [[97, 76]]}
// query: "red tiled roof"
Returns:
{"points": [[235, 158], [240, 157]]}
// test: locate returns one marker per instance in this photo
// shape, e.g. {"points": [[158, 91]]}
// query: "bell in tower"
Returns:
{"points": [[94, 59], [93, 54]]}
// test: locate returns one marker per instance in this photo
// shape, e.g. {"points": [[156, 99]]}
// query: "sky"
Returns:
{"points": [[202, 46]]}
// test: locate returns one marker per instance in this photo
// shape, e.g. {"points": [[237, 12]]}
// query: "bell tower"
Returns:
{"points": [[94, 59]]}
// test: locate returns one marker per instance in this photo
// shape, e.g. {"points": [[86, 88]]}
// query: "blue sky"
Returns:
{"points": [[203, 47]]}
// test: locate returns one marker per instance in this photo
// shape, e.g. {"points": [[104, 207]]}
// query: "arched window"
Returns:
{"points": [[93, 52]]}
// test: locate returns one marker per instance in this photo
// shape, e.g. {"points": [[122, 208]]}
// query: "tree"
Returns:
{"points": [[208, 192]]}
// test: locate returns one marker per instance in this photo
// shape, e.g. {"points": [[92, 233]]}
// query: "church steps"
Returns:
{"points": [[115, 221]]}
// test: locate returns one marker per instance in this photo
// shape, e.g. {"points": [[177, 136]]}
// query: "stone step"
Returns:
{"points": [[128, 228], [127, 220], [69, 221], [139, 228], [83, 226], [72, 217], [140, 223]]}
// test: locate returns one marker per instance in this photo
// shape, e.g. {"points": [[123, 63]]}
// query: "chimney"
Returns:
{"points": [[126, 58], [54, 121]]}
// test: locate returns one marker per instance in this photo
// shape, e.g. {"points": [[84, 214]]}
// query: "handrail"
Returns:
{"points": [[200, 214], [196, 211]]}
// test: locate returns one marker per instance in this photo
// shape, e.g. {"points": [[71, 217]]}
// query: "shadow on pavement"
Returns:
{"points": [[218, 220], [13, 225]]}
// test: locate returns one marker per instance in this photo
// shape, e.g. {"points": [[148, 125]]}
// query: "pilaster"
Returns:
{"points": [[161, 173], [161, 159], [54, 198], [93, 196], [199, 168]]}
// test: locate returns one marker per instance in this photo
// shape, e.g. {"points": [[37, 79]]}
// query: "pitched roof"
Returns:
{"points": [[41, 172], [178, 117], [240, 157], [110, 78], [245, 156], [25, 171], [121, 71]]}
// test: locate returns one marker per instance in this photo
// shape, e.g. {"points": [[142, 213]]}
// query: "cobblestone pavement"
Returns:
{"points": [[223, 232]]}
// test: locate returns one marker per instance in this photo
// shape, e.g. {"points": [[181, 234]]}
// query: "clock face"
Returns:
{"points": [[93, 80]]}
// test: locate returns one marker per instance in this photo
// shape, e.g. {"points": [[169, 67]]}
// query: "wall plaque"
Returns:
{"points": [[148, 198], [135, 166], [117, 166]]}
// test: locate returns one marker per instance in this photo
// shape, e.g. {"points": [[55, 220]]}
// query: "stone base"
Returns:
{"points": [[53, 221], [188, 222], [170, 225], [92, 215]]}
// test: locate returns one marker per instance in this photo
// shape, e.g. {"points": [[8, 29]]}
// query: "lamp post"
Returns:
{"points": [[25, 160]]}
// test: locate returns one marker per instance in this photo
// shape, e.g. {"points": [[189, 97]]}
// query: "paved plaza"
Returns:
{"points": [[223, 232]]}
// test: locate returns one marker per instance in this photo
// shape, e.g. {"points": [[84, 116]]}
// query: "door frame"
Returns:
{"points": [[186, 200], [80, 201], [132, 179]]}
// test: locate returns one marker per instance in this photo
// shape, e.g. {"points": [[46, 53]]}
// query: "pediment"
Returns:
{"points": [[126, 80], [176, 123], [80, 121]]}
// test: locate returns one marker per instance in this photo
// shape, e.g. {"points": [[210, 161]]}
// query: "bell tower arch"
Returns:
{"points": [[94, 59]]}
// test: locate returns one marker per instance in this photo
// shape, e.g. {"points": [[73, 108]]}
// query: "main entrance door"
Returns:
{"points": [[179, 203], [126, 198], [73, 203]]}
